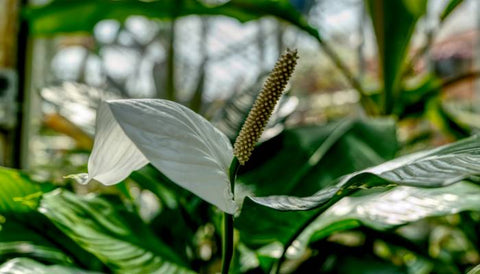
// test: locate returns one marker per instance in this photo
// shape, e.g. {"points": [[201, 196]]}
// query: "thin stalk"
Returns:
{"points": [[228, 243]]}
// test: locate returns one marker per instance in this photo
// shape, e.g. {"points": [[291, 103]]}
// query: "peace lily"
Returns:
{"points": [[174, 139], [180, 143]]}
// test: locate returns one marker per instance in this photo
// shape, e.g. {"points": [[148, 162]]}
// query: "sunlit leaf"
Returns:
{"points": [[303, 159], [434, 168], [115, 236], [398, 206], [25, 266], [18, 193], [474, 270], [24, 232], [177, 141]]}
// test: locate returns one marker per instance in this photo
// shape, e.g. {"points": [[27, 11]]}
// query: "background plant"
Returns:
{"points": [[345, 224]]}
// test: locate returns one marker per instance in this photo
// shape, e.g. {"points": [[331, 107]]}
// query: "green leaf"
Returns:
{"points": [[25, 266], [439, 167], [434, 168], [442, 117], [413, 100], [343, 261], [449, 8], [393, 23], [24, 232], [301, 160], [392, 208], [116, 237], [173, 223], [19, 194], [474, 270], [63, 16]]}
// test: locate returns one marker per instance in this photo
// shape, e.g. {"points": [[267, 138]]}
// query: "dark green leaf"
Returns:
{"points": [[115, 236], [25, 232], [434, 168], [264, 228], [82, 15], [452, 4], [302, 160], [393, 23], [413, 100], [313, 156]]}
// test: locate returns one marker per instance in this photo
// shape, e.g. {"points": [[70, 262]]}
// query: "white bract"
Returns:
{"points": [[174, 139]]}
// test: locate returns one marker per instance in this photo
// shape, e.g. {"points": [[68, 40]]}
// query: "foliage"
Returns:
{"points": [[315, 197]]}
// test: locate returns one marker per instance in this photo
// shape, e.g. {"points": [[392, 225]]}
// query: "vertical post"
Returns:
{"points": [[476, 63], [9, 25], [20, 145]]}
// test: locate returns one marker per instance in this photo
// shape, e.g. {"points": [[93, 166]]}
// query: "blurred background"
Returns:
{"points": [[415, 61]]}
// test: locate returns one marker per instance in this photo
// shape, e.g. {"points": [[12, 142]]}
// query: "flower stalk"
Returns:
{"points": [[263, 107], [228, 243], [250, 133]]}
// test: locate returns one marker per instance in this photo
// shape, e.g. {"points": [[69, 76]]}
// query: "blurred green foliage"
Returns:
{"points": [[352, 217]]}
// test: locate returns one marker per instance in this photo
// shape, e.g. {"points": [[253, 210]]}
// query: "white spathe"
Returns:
{"points": [[174, 139]]}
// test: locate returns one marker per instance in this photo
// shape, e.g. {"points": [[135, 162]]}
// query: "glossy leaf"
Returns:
{"points": [[474, 270], [302, 160], [24, 232], [113, 235], [175, 140], [395, 207], [25, 266], [435, 168], [19, 194]]}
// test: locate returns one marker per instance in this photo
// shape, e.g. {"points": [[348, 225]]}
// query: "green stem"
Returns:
{"points": [[228, 244]]}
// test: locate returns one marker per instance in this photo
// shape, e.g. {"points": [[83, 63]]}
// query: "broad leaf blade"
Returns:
{"points": [[63, 16], [435, 168], [303, 159], [24, 232], [274, 228], [395, 207], [393, 23], [315, 155], [17, 193], [25, 266], [116, 237]]}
